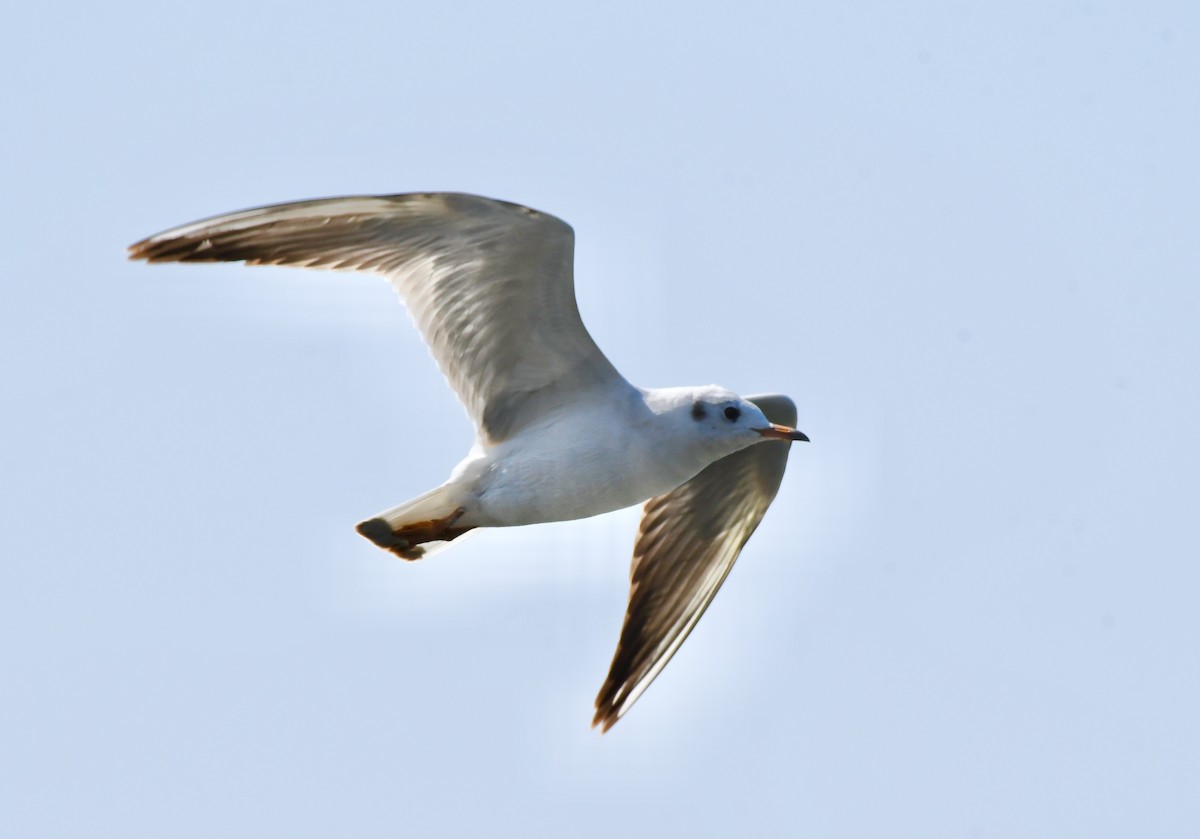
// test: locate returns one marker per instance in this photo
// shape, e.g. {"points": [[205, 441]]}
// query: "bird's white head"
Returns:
{"points": [[715, 421]]}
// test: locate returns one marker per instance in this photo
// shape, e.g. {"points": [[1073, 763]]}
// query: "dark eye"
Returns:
{"points": [[698, 412], [732, 413]]}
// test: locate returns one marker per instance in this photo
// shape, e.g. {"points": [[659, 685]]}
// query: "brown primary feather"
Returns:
{"points": [[687, 543]]}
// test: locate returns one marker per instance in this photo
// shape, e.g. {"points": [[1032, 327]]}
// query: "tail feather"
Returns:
{"points": [[418, 527]]}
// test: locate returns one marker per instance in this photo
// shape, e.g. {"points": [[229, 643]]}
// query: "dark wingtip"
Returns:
{"points": [[169, 251], [607, 713], [605, 719]]}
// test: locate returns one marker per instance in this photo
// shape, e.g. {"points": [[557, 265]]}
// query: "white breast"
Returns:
{"points": [[590, 460]]}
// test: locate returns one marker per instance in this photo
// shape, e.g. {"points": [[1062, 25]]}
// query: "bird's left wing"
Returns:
{"points": [[687, 543]]}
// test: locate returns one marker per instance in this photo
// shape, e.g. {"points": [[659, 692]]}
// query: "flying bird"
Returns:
{"points": [[560, 434]]}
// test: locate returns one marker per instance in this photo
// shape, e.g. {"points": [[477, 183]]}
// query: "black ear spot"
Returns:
{"points": [[698, 411], [732, 413]]}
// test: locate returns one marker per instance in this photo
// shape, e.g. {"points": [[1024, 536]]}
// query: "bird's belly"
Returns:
{"points": [[543, 483]]}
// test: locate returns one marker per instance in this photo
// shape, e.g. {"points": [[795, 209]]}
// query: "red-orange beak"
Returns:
{"points": [[782, 432]]}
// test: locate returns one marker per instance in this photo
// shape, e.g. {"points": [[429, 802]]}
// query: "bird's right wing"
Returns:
{"points": [[489, 284], [687, 543]]}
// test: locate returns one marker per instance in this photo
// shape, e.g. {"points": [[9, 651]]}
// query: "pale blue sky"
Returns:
{"points": [[962, 236]]}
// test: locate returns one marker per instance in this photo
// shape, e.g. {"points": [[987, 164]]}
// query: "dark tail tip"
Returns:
{"points": [[381, 533]]}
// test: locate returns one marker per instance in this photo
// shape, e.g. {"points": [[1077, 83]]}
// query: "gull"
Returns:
{"points": [[560, 434]]}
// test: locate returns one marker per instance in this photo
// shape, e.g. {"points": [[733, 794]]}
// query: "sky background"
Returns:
{"points": [[963, 236]]}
